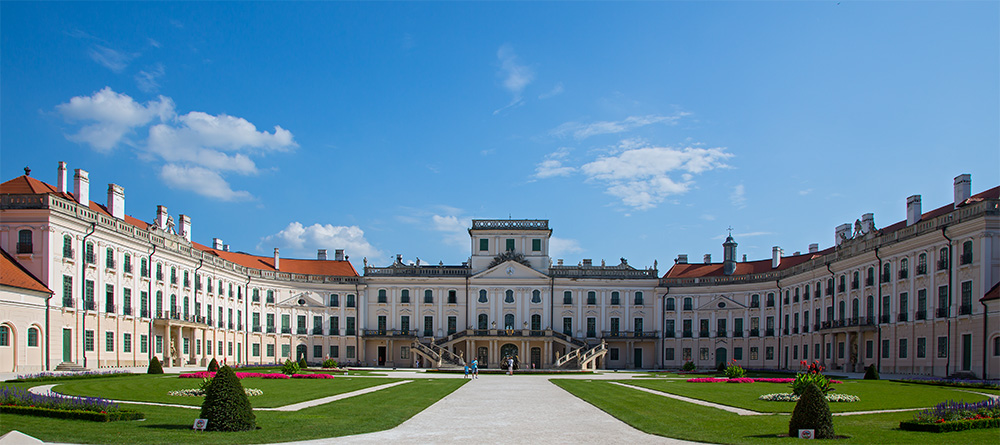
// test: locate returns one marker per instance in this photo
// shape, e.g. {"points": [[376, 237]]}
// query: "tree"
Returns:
{"points": [[154, 366], [871, 373], [213, 366], [812, 412], [226, 405]]}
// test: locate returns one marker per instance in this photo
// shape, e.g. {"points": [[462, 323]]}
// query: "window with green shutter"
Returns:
{"points": [[484, 244]]}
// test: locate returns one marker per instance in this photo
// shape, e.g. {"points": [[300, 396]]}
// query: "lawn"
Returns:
{"points": [[673, 418], [154, 388], [371, 412], [874, 394]]}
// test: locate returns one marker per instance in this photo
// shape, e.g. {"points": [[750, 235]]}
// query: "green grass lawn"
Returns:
{"points": [[356, 415], [154, 388], [874, 394], [673, 418]]}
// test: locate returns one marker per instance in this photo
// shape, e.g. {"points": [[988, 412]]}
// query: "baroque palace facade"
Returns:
{"points": [[86, 285]]}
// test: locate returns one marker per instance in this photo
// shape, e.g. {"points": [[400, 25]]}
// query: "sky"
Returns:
{"points": [[639, 130]]}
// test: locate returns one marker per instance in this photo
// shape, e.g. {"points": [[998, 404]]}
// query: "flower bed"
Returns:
{"points": [[45, 376], [312, 376], [955, 425], [250, 375], [791, 397], [745, 380], [18, 401], [956, 416], [199, 392], [984, 384]]}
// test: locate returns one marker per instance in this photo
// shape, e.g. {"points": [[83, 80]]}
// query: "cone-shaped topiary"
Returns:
{"points": [[226, 405], [154, 366], [812, 412], [303, 364], [871, 373], [213, 366]]}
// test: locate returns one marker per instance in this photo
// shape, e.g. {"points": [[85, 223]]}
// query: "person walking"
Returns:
{"points": [[475, 368], [466, 371], [510, 366]]}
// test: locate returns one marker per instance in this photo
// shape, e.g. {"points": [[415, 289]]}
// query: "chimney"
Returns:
{"points": [[814, 247], [321, 254], [186, 227], [588, 263], [559, 262], [276, 259], [225, 247], [81, 187], [682, 258], [116, 201], [913, 211], [708, 258], [61, 177], [161, 217], [217, 244], [841, 233], [963, 188], [338, 254], [867, 223], [775, 257]]}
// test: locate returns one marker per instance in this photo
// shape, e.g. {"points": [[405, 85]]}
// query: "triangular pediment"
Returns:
{"points": [[307, 299], [510, 269], [721, 303]]}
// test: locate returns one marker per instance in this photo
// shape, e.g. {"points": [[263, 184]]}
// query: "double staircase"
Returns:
{"points": [[437, 356], [584, 357]]}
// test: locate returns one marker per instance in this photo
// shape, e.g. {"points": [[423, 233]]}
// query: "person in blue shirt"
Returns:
{"points": [[466, 370], [475, 368]]}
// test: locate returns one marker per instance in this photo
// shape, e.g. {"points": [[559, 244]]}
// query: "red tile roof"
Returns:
{"points": [[992, 294], [26, 185], [753, 267], [14, 275]]}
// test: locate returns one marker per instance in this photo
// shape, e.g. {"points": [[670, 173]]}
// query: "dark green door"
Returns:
{"points": [[300, 352], [967, 352], [637, 357], [720, 356], [67, 345]]}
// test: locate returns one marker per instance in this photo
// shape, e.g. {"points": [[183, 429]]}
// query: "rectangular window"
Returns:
{"points": [[334, 325], [270, 350], [221, 351], [885, 348], [816, 351], [350, 300], [769, 353], [510, 244], [738, 353], [568, 326], [703, 354], [428, 326], [686, 354], [753, 353], [286, 321], [942, 350], [484, 244], [795, 352], [669, 354], [186, 346], [67, 291], [452, 324], [88, 295], [317, 351], [902, 348], [591, 327], [536, 245], [350, 326], [255, 350], [943, 305], [143, 344], [197, 346], [638, 299], [88, 340], [805, 352], [126, 342], [109, 341], [613, 353], [966, 307], [335, 351], [921, 347], [350, 351], [869, 349], [840, 350], [286, 351]]}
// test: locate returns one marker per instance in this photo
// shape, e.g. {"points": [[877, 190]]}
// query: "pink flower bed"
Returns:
{"points": [[745, 380], [706, 380], [312, 376], [740, 380], [239, 375], [772, 380]]}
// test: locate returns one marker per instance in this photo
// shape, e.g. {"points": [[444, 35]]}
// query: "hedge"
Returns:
{"points": [[46, 378], [954, 425], [952, 384], [73, 414]]}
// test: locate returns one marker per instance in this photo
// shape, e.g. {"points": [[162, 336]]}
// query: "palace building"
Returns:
{"points": [[85, 285]]}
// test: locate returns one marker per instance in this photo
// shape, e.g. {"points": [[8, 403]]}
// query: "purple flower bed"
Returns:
{"points": [[944, 381], [43, 376], [13, 396]]}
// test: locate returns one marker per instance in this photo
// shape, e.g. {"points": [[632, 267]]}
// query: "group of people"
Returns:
{"points": [[474, 368]]}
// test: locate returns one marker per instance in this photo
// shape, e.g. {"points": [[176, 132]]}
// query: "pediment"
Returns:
{"points": [[721, 303], [508, 270], [306, 299]]}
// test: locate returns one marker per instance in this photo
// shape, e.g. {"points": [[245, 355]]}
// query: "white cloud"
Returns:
{"points": [[641, 177], [148, 79], [738, 197], [113, 60], [455, 229], [708, 217], [515, 75], [113, 115], [562, 246], [552, 167], [202, 181], [555, 91], [585, 130], [305, 240], [805, 192]]}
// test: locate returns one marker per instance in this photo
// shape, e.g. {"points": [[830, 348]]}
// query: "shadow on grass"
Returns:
{"points": [[164, 426]]}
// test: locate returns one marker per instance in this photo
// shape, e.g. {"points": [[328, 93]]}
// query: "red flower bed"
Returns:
{"points": [[745, 380], [312, 376]]}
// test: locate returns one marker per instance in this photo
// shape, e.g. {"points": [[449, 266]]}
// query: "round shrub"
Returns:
{"points": [[154, 366], [302, 363], [871, 373], [812, 412], [226, 405], [688, 366], [213, 366], [290, 367], [330, 363]]}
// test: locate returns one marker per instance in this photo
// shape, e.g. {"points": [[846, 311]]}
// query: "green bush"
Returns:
{"points": [[154, 366], [330, 363], [945, 427], [72, 414], [226, 405], [871, 373], [213, 366], [688, 366], [735, 371], [812, 412], [302, 363], [290, 367]]}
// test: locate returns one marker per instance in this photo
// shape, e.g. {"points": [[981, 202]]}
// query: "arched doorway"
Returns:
{"points": [[8, 355], [720, 356], [300, 352], [508, 350]]}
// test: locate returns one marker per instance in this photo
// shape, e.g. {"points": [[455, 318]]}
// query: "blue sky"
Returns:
{"points": [[640, 130]]}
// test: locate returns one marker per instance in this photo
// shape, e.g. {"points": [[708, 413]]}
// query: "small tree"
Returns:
{"points": [[303, 364], [226, 405], [154, 366], [330, 363], [213, 366], [812, 412], [290, 367], [688, 366], [871, 373]]}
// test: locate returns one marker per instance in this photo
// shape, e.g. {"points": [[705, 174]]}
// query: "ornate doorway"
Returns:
{"points": [[508, 350]]}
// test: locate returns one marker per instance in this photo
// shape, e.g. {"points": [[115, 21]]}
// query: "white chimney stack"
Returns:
{"points": [[708, 258], [913, 211], [276, 259], [81, 187], [321, 254], [867, 223], [338, 254], [963, 188], [116, 201], [185, 227], [217, 244], [225, 247], [559, 262], [775, 257], [841, 233], [682, 258], [161, 217], [61, 177], [814, 247]]}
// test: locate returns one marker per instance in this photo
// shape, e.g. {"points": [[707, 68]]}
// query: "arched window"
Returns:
{"points": [[870, 308], [855, 280], [508, 321], [855, 308], [24, 241], [536, 296], [186, 307], [482, 296], [4, 336], [404, 296], [904, 268], [173, 275], [687, 303], [842, 309], [88, 254], [508, 296], [670, 304], [428, 296], [32, 337], [966, 253], [159, 304], [591, 298], [127, 263], [886, 272], [922, 264], [805, 295], [615, 298], [568, 297], [536, 322], [382, 298], [109, 258], [159, 271], [67, 246], [943, 258], [483, 321], [638, 299]]}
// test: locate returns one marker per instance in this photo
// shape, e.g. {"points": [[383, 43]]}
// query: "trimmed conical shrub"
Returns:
{"points": [[154, 366], [303, 364], [226, 405], [871, 373], [812, 412], [213, 366]]}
